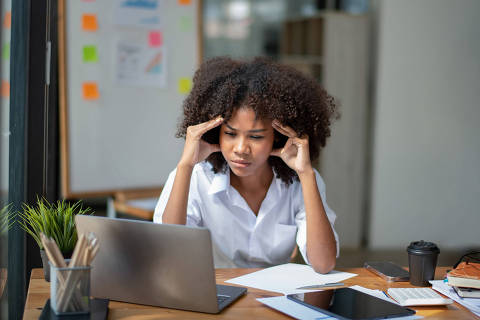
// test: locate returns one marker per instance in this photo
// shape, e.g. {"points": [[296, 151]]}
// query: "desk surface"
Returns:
{"points": [[246, 307]]}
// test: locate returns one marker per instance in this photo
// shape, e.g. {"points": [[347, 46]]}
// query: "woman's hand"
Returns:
{"points": [[196, 149], [295, 153]]}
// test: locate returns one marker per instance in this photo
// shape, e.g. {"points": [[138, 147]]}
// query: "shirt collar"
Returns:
{"points": [[221, 182]]}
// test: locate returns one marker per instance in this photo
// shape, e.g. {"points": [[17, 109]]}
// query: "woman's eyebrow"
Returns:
{"points": [[254, 130]]}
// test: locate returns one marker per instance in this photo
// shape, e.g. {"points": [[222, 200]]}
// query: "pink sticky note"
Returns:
{"points": [[155, 39]]}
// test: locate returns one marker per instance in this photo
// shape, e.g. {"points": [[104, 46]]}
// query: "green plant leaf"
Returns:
{"points": [[55, 220]]}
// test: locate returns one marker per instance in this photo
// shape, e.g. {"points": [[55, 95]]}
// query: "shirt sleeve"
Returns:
{"points": [[301, 222], [194, 217]]}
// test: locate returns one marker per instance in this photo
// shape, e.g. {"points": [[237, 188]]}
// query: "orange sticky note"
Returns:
{"points": [[5, 90], [155, 39], [7, 20], [184, 2], [90, 91], [89, 22]]}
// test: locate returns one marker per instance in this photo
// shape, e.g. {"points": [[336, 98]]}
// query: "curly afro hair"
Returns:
{"points": [[273, 91]]}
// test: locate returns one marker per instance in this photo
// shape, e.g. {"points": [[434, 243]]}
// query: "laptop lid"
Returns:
{"points": [[154, 264]]}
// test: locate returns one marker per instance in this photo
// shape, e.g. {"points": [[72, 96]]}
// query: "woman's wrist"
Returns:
{"points": [[184, 166], [306, 174]]}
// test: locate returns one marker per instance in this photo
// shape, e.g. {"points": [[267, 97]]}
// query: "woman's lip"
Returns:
{"points": [[241, 163]]}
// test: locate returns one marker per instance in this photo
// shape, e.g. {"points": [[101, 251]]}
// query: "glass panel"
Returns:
{"points": [[4, 147]]}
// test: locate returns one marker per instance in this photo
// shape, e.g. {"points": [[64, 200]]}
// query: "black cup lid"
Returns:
{"points": [[422, 247]]}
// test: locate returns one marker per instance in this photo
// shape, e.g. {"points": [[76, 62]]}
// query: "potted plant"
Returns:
{"points": [[55, 220]]}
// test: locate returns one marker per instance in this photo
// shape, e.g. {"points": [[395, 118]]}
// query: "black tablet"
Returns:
{"points": [[347, 303]]}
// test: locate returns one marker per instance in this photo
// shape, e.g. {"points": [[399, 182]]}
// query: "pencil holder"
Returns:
{"points": [[70, 290]]}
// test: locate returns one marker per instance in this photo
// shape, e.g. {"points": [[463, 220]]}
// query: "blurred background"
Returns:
{"points": [[402, 163]]}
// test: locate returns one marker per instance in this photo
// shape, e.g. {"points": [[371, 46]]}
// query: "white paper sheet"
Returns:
{"points": [[298, 311], [473, 304], [293, 309], [286, 278]]}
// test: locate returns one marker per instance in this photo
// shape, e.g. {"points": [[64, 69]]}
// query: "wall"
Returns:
{"points": [[426, 161]]}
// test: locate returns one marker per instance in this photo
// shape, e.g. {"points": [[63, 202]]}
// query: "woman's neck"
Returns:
{"points": [[253, 183]]}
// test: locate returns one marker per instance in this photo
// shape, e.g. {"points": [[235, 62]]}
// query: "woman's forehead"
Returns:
{"points": [[245, 118]]}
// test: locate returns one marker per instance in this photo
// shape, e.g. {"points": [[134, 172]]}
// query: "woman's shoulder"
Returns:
{"points": [[203, 173]]}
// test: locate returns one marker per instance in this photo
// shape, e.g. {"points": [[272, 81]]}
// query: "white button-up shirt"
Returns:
{"points": [[241, 238]]}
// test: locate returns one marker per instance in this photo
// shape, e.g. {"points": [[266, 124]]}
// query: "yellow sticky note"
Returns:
{"points": [[89, 22], [90, 91], [5, 89], [7, 20], [184, 85]]}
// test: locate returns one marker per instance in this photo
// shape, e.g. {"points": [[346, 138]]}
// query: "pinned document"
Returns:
{"points": [[89, 22], [90, 91]]}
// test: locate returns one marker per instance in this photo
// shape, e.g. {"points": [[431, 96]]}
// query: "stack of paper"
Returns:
{"points": [[472, 304]]}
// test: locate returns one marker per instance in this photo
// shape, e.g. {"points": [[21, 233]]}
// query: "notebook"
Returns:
{"points": [[466, 274], [155, 264]]}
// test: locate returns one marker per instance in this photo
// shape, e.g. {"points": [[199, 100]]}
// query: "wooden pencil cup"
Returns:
{"points": [[70, 290]]}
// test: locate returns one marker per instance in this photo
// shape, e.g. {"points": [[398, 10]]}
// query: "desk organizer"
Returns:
{"points": [[70, 289]]}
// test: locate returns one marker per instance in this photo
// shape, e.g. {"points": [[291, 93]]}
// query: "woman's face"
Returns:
{"points": [[246, 142]]}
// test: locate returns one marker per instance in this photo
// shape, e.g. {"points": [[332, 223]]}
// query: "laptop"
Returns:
{"points": [[161, 265]]}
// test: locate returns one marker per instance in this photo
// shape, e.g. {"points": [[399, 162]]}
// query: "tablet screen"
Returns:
{"points": [[351, 304]]}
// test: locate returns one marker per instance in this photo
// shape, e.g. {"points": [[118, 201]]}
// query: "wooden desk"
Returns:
{"points": [[244, 308]]}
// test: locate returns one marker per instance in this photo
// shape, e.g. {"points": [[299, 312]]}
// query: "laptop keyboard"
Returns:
{"points": [[222, 298]]}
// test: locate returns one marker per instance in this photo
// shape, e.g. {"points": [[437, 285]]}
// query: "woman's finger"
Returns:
{"points": [[276, 152], [285, 130], [303, 140], [203, 127]]}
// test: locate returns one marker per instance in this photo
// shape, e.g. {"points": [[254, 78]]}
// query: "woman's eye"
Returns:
{"points": [[257, 137], [230, 133]]}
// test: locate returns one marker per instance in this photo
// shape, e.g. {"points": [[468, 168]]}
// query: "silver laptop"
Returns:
{"points": [[155, 264]]}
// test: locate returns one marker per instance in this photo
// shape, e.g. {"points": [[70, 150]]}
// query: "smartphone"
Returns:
{"points": [[388, 270]]}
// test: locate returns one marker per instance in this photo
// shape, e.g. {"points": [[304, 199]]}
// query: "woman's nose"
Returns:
{"points": [[241, 146]]}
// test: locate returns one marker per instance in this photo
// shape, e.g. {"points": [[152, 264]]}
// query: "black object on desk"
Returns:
{"points": [[98, 311], [347, 303]]}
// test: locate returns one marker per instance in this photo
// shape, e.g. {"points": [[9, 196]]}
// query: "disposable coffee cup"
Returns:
{"points": [[422, 261]]}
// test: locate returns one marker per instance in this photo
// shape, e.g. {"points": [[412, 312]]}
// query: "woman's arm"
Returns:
{"points": [[321, 244], [194, 151], [176, 209]]}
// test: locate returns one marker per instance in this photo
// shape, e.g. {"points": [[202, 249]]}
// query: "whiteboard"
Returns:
{"points": [[124, 138]]}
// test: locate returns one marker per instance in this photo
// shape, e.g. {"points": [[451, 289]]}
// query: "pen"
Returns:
{"points": [[324, 285]]}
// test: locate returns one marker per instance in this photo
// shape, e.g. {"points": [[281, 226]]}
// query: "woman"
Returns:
{"points": [[259, 125]]}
